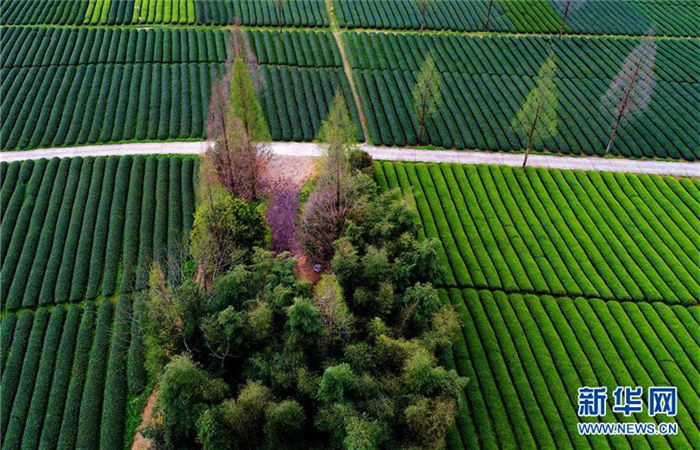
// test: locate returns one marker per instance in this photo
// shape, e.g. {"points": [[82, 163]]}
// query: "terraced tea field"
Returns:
{"points": [[486, 80], [527, 355], [66, 369], [559, 232], [80, 228], [623, 17], [120, 85], [306, 13], [560, 279]]}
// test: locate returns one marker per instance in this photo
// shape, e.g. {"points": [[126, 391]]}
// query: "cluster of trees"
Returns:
{"points": [[249, 356], [264, 361]]}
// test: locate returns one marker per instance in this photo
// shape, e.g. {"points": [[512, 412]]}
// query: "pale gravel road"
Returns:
{"points": [[691, 169]]}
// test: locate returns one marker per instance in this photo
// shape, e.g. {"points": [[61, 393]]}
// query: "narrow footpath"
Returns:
{"points": [[675, 168]]}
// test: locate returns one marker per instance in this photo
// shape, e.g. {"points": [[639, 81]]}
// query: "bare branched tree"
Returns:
{"points": [[281, 212], [236, 124], [566, 7], [339, 190], [630, 91], [537, 118]]}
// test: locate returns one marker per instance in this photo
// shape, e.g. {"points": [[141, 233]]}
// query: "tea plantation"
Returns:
{"points": [[560, 278]]}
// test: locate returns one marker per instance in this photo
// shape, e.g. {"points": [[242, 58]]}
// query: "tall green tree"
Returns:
{"points": [[185, 392], [224, 232], [237, 125], [426, 93], [244, 102], [537, 118]]}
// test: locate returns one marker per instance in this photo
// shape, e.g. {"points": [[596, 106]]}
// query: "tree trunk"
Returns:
{"points": [[613, 134], [563, 21], [531, 134], [529, 146], [488, 16], [622, 107], [424, 112], [279, 15]]}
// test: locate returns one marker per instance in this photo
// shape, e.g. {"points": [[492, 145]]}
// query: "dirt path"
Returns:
{"points": [[140, 442], [288, 174], [335, 29], [296, 149]]}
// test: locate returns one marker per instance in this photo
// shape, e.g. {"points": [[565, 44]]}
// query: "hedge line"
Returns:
{"points": [[23, 242], [60, 367], [35, 380], [29, 274], [526, 356], [18, 379], [13, 367], [116, 226], [558, 232], [69, 242], [133, 216], [85, 240], [575, 57], [13, 206], [7, 328], [67, 261], [88, 430], [65, 435], [50, 272]]}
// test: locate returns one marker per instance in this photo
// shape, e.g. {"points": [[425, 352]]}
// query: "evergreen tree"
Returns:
{"points": [[537, 118]]}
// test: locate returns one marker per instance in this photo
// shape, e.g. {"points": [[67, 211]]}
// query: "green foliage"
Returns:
{"points": [[352, 364], [283, 423], [426, 93], [226, 230], [185, 392], [335, 382], [304, 323], [537, 118], [236, 424], [244, 102]]}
